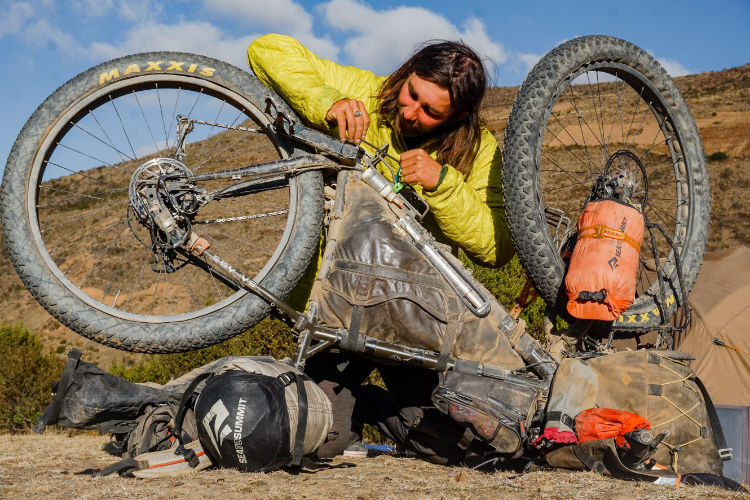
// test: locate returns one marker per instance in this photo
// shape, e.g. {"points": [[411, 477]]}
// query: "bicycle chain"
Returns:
{"points": [[242, 217], [230, 127]]}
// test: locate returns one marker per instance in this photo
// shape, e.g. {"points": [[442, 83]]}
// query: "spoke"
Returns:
{"points": [[123, 156], [565, 187], [163, 123], [76, 172], [83, 216], [244, 242], [619, 104], [654, 143], [174, 121], [585, 149], [189, 290], [169, 291], [632, 118], [581, 117], [81, 195], [219, 243], [661, 214], [121, 221], [640, 124], [122, 124], [601, 108], [242, 152], [580, 172], [114, 275], [102, 162], [212, 273], [149, 253], [227, 146], [596, 114], [246, 204], [148, 126], [578, 181], [568, 150], [100, 254]]}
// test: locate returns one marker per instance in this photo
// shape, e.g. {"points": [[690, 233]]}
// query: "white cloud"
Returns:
{"points": [[280, 16], [674, 68], [197, 37], [527, 60], [383, 39], [43, 33], [15, 17]]}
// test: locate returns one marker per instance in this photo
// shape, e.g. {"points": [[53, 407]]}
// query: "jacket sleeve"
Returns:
{"points": [[470, 211], [308, 83]]}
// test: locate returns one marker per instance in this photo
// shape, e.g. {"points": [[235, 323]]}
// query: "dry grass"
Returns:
{"points": [[54, 465]]}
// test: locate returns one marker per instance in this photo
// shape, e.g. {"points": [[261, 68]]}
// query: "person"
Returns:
{"points": [[428, 113]]}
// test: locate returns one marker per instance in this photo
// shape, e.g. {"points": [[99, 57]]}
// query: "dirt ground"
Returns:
{"points": [[59, 465]]}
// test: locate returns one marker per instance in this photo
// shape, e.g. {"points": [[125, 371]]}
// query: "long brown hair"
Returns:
{"points": [[458, 68]]}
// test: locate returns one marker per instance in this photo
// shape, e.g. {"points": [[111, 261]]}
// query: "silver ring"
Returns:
{"points": [[357, 114]]}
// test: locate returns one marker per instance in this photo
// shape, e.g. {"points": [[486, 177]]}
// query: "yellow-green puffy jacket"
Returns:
{"points": [[467, 211]]}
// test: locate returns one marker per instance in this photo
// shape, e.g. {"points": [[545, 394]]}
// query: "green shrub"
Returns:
{"points": [[506, 284], [27, 374], [270, 337], [717, 156]]}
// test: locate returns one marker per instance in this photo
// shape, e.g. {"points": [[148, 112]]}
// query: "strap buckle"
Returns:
{"points": [[725, 454]]}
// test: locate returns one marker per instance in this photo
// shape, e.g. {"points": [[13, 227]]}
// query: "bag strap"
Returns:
{"points": [[123, 468], [52, 412], [188, 399], [302, 407], [725, 453], [587, 459]]}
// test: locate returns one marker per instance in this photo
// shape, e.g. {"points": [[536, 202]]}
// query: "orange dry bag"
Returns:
{"points": [[603, 423], [602, 273]]}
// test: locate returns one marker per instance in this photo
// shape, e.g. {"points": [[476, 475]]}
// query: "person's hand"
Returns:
{"points": [[417, 167], [351, 117]]}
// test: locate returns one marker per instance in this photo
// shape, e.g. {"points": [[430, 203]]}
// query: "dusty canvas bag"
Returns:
{"points": [[658, 385], [373, 281]]}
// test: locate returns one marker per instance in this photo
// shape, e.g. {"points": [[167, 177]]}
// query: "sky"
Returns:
{"points": [[46, 42]]}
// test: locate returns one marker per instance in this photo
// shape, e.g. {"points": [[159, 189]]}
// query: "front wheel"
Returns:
{"points": [[75, 240], [591, 104]]}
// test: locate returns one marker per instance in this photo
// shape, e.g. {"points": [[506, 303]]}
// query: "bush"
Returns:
{"points": [[26, 377], [506, 284], [717, 156], [270, 337]]}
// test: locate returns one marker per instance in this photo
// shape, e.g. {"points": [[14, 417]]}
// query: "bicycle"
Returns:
{"points": [[74, 182]]}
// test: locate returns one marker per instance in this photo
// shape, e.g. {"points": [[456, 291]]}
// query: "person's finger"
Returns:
{"points": [[359, 122], [351, 126], [365, 120], [341, 122]]}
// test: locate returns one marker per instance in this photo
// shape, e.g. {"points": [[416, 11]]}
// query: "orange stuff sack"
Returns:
{"points": [[602, 274], [603, 423]]}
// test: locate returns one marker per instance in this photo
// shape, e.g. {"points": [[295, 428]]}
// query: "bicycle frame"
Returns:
{"points": [[314, 337]]}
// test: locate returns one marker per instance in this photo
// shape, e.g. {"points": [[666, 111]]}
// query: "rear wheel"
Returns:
{"points": [[592, 102], [76, 241]]}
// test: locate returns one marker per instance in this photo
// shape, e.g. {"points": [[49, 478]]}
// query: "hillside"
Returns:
{"points": [[720, 102]]}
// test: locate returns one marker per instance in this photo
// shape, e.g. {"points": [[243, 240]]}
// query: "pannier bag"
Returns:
{"points": [[658, 386], [600, 281], [373, 281], [498, 412]]}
